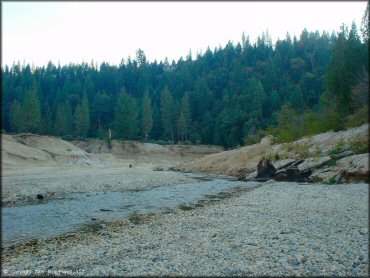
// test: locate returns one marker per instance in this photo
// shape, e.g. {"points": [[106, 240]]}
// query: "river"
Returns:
{"points": [[72, 212]]}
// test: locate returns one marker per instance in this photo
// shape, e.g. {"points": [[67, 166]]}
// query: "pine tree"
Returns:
{"points": [[181, 125], [125, 116], [85, 116], [64, 120], [78, 120], [147, 119], [184, 118], [47, 123], [365, 25], [16, 116], [31, 115], [167, 113]]}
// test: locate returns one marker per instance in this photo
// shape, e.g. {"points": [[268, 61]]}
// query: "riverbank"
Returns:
{"points": [[276, 229], [331, 157], [19, 185]]}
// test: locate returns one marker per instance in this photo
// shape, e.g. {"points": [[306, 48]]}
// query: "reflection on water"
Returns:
{"points": [[74, 211]]}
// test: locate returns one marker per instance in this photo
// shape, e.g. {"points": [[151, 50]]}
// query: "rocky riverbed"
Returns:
{"points": [[276, 229], [19, 185]]}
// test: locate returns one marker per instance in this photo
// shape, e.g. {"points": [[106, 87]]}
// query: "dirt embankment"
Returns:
{"points": [[30, 149], [27, 150], [147, 152], [321, 152]]}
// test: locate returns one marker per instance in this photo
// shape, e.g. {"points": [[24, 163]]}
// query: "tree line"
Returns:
{"points": [[230, 96]]}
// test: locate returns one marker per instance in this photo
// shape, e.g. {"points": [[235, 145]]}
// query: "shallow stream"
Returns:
{"points": [[72, 212]]}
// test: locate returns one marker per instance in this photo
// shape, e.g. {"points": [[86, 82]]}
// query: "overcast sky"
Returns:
{"points": [[65, 32]]}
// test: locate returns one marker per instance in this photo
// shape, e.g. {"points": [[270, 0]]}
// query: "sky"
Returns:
{"points": [[75, 32]]}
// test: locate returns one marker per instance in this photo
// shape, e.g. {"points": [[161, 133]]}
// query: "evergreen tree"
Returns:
{"points": [[220, 97], [85, 116], [47, 122], [125, 117], [184, 120], [16, 116], [64, 120], [147, 119], [31, 115], [167, 113], [78, 121]]}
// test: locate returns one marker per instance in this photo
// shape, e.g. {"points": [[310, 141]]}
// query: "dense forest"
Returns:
{"points": [[228, 96]]}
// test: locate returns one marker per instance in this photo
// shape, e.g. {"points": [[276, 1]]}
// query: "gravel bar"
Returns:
{"points": [[278, 229]]}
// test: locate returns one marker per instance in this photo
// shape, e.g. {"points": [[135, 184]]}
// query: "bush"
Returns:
{"points": [[358, 118], [359, 145]]}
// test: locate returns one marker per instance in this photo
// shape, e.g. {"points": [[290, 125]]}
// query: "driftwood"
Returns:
{"points": [[289, 172]]}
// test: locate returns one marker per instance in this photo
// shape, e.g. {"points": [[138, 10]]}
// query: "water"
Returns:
{"points": [[73, 212]]}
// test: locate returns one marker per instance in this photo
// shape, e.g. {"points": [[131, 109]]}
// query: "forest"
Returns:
{"points": [[229, 96]]}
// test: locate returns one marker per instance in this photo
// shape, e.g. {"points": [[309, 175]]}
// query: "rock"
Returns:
{"points": [[267, 140], [40, 197], [106, 210], [265, 169], [342, 154], [230, 271], [324, 175], [130, 166], [311, 163], [355, 167], [284, 163]]}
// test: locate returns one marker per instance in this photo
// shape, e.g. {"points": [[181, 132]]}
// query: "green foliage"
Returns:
{"points": [[167, 112], [332, 180], [126, 123], [359, 145], [16, 116], [288, 127], [64, 120], [303, 85], [339, 147], [146, 119], [184, 120], [31, 115]]}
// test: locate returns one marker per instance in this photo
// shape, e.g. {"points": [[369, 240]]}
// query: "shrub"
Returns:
{"points": [[359, 145], [332, 180]]}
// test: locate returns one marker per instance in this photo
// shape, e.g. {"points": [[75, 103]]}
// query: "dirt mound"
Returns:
{"points": [[242, 162], [13, 152], [28, 149]]}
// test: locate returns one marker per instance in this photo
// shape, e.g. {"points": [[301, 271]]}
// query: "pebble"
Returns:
{"points": [[227, 238]]}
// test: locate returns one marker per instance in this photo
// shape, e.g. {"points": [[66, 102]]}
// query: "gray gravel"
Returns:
{"points": [[24, 184], [277, 229]]}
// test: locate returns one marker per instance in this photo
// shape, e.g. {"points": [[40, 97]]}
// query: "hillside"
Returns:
{"points": [[317, 150]]}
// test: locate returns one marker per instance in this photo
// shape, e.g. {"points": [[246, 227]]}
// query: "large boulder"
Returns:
{"points": [[355, 167], [313, 162]]}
